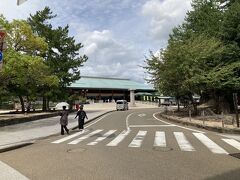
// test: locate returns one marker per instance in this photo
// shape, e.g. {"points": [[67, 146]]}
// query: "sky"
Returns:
{"points": [[117, 34]]}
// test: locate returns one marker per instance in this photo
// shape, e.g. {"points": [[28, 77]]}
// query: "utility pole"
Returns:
{"points": [[235, 101]]}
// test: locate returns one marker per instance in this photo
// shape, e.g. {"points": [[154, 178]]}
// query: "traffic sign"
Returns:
{"points": [[1, 56]]}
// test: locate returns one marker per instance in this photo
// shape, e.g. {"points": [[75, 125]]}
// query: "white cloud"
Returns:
{"points": [[115, 33], [165, 15], [109, 57]]}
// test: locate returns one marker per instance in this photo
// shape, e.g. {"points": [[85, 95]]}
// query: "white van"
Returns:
{"points": [[121, 105]]}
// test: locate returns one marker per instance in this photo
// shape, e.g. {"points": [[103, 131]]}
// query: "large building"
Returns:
{"points": [[108, 89]]}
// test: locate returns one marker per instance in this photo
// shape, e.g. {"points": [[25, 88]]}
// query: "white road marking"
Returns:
{"points": [[110, 132], [151, 125], [160, 139], [141, 115], [119, 138], [70, 137], [154, 115], [210, 144], [137, 141], [127, 124], [183, 143], [8, 173], [85, 137], [78, 133], [233, 143]]}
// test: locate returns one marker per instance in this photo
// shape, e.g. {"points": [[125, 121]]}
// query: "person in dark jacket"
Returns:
{"points": [[64, 120], [81, 114]]}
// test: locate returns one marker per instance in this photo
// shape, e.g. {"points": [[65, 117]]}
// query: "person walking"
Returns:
{"points": [[64, 120], [81, 114]]}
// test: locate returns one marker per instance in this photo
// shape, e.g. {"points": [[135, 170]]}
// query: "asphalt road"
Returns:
{"points": [[129, 145]]}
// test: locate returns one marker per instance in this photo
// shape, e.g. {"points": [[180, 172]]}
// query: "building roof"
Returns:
{"points": [[86, 82]]}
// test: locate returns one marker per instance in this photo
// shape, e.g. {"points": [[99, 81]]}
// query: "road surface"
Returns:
{"points": [[134, 144]]}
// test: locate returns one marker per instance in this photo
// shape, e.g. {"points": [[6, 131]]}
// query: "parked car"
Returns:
{"points": [[121, 105]]}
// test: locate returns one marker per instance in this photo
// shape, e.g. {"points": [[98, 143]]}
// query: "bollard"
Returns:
{"points": [[190, 115], [166, 109], [222, 123]]}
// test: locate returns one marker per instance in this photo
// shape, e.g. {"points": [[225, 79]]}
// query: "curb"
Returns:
{"points": [[15, 146], [7, 122], [207, 127]]}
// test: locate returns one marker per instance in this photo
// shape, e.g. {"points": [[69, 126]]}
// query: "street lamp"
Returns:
{"points": [[19, 2]]}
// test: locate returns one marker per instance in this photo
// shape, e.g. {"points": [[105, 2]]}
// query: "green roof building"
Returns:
{"points": [[105, 89]]}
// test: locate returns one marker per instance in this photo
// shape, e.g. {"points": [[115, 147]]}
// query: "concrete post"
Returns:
{"points": [[132, 98]]}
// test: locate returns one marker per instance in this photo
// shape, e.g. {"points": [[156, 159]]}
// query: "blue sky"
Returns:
{"points": [[116, 34]]}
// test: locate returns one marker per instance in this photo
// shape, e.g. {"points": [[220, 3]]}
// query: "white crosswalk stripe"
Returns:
{"points": [[86, 136], [110, 132], [69, 137], [119, 138], [137, 141], [233, 143], [210, 144], [183, 142], [160, 140]]}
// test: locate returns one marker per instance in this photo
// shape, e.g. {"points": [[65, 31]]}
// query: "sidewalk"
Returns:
{"points": [[24, 133], [18, 135]]}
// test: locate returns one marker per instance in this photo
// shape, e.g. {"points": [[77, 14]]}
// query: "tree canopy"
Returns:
{"points": [[202, 55], [40, 61]]}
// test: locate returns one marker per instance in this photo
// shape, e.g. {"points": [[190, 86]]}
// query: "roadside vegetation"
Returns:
{"points": [[39, 61], [202, 56]]}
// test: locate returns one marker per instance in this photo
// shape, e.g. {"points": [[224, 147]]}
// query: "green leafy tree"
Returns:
{"points": [[27, 74], [24, 73], [63, 56], [206, 43]]}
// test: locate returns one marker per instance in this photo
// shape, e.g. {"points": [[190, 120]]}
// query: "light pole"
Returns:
{"points": [[19, 2]]}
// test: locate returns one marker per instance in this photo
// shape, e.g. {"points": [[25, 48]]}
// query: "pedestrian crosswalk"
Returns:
{"points": [[210, 144], [114, 137], [137, 141], [183, 142]]}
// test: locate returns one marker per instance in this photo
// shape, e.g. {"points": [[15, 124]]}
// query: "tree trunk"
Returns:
{"points": [[22, 103], [195, 110], [47, 104], [28, 104], [44, 105], [178, 105]]}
